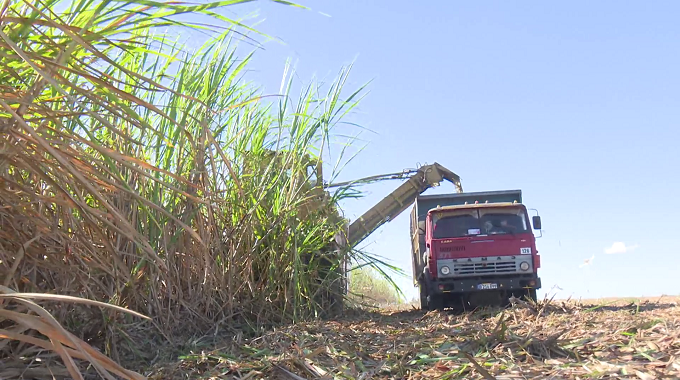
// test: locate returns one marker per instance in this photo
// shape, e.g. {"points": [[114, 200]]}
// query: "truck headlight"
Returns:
{"points": [[445, 270], [524, 265]]}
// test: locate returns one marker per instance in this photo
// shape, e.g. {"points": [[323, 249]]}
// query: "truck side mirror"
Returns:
{"points": [[537, 222]]}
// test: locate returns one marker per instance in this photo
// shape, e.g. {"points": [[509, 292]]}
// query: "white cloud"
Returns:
{"points": [[619, 247]]}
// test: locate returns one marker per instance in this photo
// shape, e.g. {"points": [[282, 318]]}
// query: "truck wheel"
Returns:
{"points": [[531, 294], [435, 302], [423, 296]]}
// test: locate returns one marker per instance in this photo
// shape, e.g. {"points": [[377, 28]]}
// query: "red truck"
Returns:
{"points": [[468, 249], [474, 249]]}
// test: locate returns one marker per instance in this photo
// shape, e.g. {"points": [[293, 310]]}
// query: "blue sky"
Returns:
{"points": [[575, 103]]}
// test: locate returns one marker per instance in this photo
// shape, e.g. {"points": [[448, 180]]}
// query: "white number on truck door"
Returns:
{"points": [[525, 251]]}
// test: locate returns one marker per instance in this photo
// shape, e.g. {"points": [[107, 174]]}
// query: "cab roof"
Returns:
{"points": [[476, 205]]}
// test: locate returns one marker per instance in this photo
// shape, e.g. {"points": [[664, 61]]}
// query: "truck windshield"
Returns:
{"points": [[490, 221], [451, 226]]}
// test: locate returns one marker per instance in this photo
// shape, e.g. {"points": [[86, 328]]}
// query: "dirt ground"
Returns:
{"points": [[627, 338]]}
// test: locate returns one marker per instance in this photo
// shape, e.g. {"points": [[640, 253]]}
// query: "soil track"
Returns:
{"points": [[557, 340]]}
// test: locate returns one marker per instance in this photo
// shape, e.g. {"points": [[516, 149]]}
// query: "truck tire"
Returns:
{"points": [[423, 295], [435, 302], [531, 294]]}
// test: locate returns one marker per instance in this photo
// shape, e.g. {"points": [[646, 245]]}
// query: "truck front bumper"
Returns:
{"points": [[481, 284]]}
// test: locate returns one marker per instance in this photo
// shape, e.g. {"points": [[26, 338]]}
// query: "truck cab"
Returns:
{"points": [[474, 249]]}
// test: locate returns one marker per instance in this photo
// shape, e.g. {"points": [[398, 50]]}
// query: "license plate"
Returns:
{"points": [[487, 286]]}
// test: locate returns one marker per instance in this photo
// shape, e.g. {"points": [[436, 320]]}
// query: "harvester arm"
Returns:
{"points": [[399, 200]]}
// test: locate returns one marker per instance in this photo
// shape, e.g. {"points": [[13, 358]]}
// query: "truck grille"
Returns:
{"points": [[485, 267]]}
